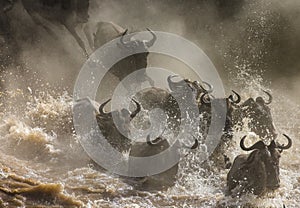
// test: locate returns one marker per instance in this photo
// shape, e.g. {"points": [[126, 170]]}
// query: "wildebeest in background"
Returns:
{"points": [[228, 105], [107, 31], [6, 54], [69, 13], [9, 48], [5, 6], [186, 85], [258, 171], [259, 114], [183, 91], [222, 107]]}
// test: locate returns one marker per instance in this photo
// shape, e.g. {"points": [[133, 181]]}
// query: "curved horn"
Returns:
{"points": [[270, 97], [196, 144], [204, 99], [210, 87], [283, 147], [154, 142], [122, 37], [173, 84], [101, 108], [138, 109], [238, 97], [152, 41], [257, 145]]}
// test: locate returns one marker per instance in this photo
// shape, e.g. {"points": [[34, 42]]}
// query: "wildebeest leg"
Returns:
{"points": [[71, 29], [88, 34], [37, 19]]}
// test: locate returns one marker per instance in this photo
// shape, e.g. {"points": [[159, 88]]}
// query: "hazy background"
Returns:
{"points": [[257, 37]]}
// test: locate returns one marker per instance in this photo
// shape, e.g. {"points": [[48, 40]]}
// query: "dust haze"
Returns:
{"points": [[242, 38]]}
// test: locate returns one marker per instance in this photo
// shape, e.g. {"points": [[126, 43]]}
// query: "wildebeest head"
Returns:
{"points": [[258, 171], [220, 104], [153, 147], [124, 112], [187, 84], [259, 114], [261, 101], [134, 44], [115, 125], [269, 155]]}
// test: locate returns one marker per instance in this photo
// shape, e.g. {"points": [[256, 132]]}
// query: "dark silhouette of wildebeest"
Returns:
{"points": [[68, 13], [107, 31], [258, 171], [195, 86], [161, 180], [110, 131], [259, 114]]}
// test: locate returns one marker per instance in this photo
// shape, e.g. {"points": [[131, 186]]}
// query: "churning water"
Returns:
{"points": [[42, 163]]}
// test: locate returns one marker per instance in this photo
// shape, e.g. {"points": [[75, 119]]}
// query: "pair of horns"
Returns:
{"points": [[195, 84], [261, 145], [270, 97], [132, 115], [205, 99], [149, 43], [159, 139]]}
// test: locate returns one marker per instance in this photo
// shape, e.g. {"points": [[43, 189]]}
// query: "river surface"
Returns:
{"points": [[43, 164]]}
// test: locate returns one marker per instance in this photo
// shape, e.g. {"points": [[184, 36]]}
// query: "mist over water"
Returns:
{"points": [[254, 45]]}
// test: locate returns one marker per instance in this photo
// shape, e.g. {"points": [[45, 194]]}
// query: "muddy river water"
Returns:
{"points": [[43, 165]]}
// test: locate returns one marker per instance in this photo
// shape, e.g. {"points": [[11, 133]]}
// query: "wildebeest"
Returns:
{"points": [[223, 107], [221, 104], [164, 179], [183, 92], [107, 31], [195, 86], [136, 149], [5, 6], [118, 131], [69, 13], [259, 115], [5, 32], [258, 171]]}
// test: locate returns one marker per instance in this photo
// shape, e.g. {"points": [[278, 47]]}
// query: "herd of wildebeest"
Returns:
{"points": [[256, 172]]}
